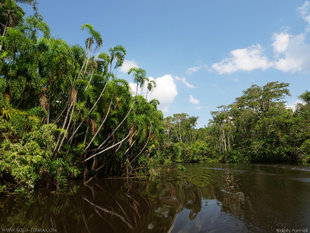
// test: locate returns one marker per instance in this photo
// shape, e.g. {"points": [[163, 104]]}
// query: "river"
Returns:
{"points": [[201, 198]]}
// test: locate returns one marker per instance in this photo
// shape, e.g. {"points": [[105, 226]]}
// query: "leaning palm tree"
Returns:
{"points": [[140, 78], [94, 37], [150, 86], [117, 54], [104, 60]]}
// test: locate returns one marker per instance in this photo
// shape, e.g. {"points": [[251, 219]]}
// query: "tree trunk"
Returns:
{"points": [[106, 149], [3, 34], [75, 131], [98, 130]]}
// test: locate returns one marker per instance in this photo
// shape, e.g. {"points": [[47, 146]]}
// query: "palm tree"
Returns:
{"points": [[94, 37], [139, 77], [150, 85], [118, 52]]}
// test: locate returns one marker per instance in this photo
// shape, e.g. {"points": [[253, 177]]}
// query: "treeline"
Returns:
{"points": [[64, 113], [257, 127]]}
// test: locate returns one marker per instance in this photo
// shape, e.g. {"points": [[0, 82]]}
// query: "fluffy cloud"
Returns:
{"points": [[183, 80], [193, 100], [281, 41], [291, 52], [247, 59], [165, 91], [294, 105], [296, 56], [195, 69], [127, 65], [133, 88]]}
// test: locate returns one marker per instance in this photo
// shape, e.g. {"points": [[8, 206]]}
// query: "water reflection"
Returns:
{"points": [[218, 198]]}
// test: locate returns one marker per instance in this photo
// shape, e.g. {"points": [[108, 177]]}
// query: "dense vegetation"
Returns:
{"points": [[65, 114], [257, 127]]}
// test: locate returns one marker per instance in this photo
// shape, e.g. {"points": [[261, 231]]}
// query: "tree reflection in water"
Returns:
{"points": [[200, 199]]}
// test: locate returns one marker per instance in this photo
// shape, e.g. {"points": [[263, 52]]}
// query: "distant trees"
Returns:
{"points": [[183, 142], [257, 127]]}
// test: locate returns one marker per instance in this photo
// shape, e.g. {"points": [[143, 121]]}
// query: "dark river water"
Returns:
{"points": [[203, 198]]}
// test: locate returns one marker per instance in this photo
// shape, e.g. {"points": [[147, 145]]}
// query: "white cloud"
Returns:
{"points": [[291, 54], [281, 41], [165, 91], [246, 59], [193, 100], [198, 107], [195, 69], [304, 12], [133, 88], [294, 105], [296, 57], [127, 65], [293, 48], [183, 80]]}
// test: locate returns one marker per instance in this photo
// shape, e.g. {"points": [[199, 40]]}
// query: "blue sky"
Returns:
{"points": [[202, 53]]}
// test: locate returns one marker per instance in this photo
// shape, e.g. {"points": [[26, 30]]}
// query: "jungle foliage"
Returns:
{"points": [[64, 113], [257, 127]]}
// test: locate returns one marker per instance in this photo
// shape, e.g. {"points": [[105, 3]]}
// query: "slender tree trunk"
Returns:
{"points": [[91, 77], [72, 99], [109, 148], [147, 91], [3, 34], [147, 141], [98, 130], [91, 110], [180, 130], [63, 126], [224, 141], [228, 141], [65, 134], [48, 115], [130, 147], [86, 133], [60, 114], [119, 125]]}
